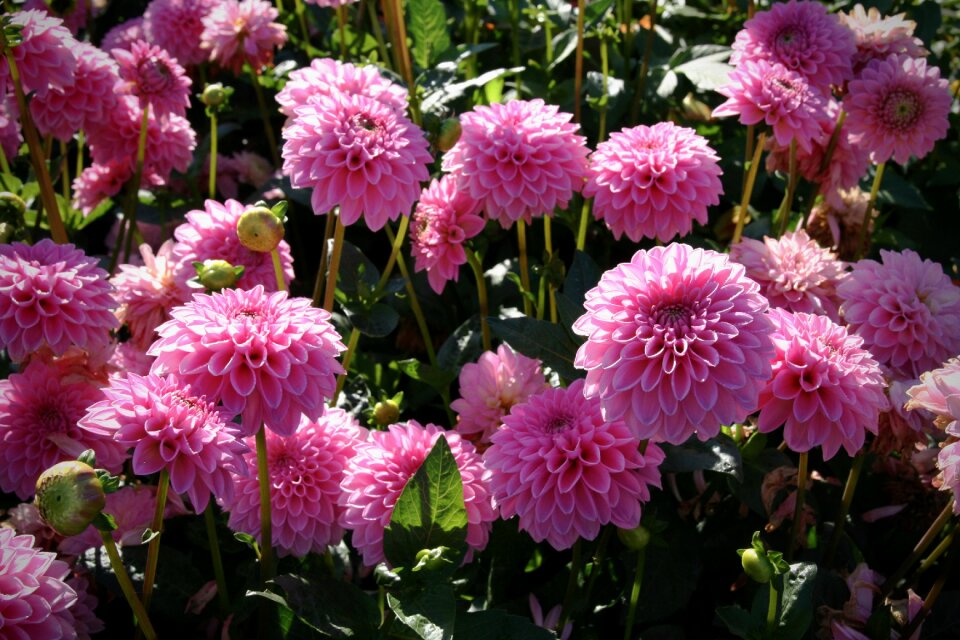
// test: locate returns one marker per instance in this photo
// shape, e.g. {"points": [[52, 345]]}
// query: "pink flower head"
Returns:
{"points": [[25, 519], [326, 76], [10, 138], [939, 393], [905, 308], [878, 36], [677, 342], [801, 36], [760, 91], [948, 461], [85, 620], [898, 108], [52, 296], [491, 386], [520, 159], [653, 182], [73, 13], [123, 35], [44, 57], [177, 26], [357, 153], [306, 468], [376, 475], [98, 182], [128, 358], [155, 78], [242, 32], [265, 356], [826, 389], [794, 272], [566, 471], [444, 219]]}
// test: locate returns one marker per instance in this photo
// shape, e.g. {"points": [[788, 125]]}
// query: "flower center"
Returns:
{"points": [[901, 109], [674, 316], [557, 423], [51, 419], [790, 43], [154, 75]]}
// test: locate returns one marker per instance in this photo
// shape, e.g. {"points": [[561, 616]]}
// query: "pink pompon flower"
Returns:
{"points": [[445, 218], [123, 35], [52, 296], [566, 471], [44, 56], [877, 36], [939, 393], [759, 91], [653, 182], [898, 108], [491, 386], [326, 76], [177, 26], [677, 343], [356, 153], [242, 32], [905, 308], [793, 271], [520, 159], [267, 357], [305, 473], [826, 390], [98, 182], [154, 77], [376, 475]]}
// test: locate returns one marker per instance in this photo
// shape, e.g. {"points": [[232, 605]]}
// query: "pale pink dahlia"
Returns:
{"points": [[653, 182], [566, 471], [793, 271], [521, 159], [44, 57], [939, 393], [154, 77], [124, 35], [265, 356], [235, 33], [358, 153], [25, 519], [898, 108], [877, 36], [128, 358], [677, 343], [52, 296], [305, 473], [326, 76], [376, 475], [98, 182], [948, 461], [905, 308], [443, 220], [177, 25]]}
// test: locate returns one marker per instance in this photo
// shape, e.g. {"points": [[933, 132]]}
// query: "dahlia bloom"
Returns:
{"points": [[44, 57], [877, 36], [85, 620], [443, 220], [905, 308], [265, 356], [677, 342], [357, 153], [653, 182], [948, 461], [898, 108], [826, 389], [235, 33], [177, 26], [98, 182], [25, 519], [305, 473], [149, 73], [565, 471], [10, 138], [52, 296], [123, 35], [939, 393], [375, 477], [520, 159], [326, 76], [127, 358]]}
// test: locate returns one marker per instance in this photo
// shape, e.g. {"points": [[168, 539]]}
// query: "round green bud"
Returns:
{"points": [[448, 135], [386, 412], [12, 207], [259, 230], [757, 566], [431, 559], [215, 275], [213, 95], [635, 539], [69, 497]]}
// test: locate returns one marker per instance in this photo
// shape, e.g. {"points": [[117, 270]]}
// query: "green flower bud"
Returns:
{"points": [[69, 497], [260, 230], [432, 559], [449, 134], [757, 566], [215, 275], [386, 412], [634, 539], [213, 95]]}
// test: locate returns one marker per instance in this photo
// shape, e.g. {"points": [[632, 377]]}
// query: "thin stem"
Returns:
{"points": [[932, 532], [935, 590], [474, 261], [266, 528], [222, 594], [347, 359], [747, 154], [524, 266], [571, 593], [578, 65], [787, 205], [628, 29], [4, 165], [584, 223], [868, 214], [321, 272], [298, 8], [598, 557], [515, 42], [153, 549], [798, 507], [342, 30], [377, 34], [832, 144], [772, 605], [265, 116], [212, 184], [330, 288], [64, 172], [143, 620], [548, 241], [134, 189], [397, 30], [605, 71], [278, 270], [635, 592], [748, 188], [394, 252], [80, 145], [935, 555], [415, 303], [644, 65], [845, 502]]}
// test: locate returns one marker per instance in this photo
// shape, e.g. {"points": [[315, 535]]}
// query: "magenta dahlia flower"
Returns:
{"points": [[154, 77], [375, 477], [98, 182], [677, 343], [44, 57], [305, 473], [85, 620], [267, 357], [177, 26], [520, 159], [905, 308], [123, 35], [877, 36], [358, 153], [939, 393], [326, 76], [242, 32], [653, 182], [566, 471], [898, 108], [52, 296]]}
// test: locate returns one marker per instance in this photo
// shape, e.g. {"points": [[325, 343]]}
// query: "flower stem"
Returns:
{"points": [[578, 65], [569, 597], [377, 34], [414, 302], [747, 153], [515, 42], [598, 557], [397, 30], [644, 65], [798, 507], [4, 164], [64, 172], [212, 184], [143, 620], [278, 270], [934, 555], [395, 246], [524, 267], [628, 29], [341, 30], [265, 116], [742, 212], [605, 71], [298, 8], [321, 272], [584, 223], [635, 592], [772, 605], [332, 270], [548, 242], [131, 212], [222, 593], [868, 214], [347, 359], [935, 590], [153, 549], [80, 145], [474, 261], [266, 528], [927, 539], [845, 502], [783, 216]]}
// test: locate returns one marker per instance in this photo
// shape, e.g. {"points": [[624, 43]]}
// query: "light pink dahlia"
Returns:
{"points": [[566, 471], [326, 76], [73, 12], [127, 358], [948, 461], [177, 25], [653, 182], [443, 220], [905, 308], [521, 159], [305, 473], [939, 393], [898, 108], [154, 77], [123, 35], [98, 182], [25, 519], [358, 153], [235, 33], [52, 296], [44, 57], [677, 343], [265, 356], [376, 475], [877, 36]]}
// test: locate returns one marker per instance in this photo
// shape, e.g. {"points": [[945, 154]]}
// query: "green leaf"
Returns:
{"points": [[584, 274], [898, 191], [718, 454], [428, 28], [422, 372], [706, 74], [540, 339], [357, 272], [494, 624], [464, 345], [430, 612], [796, 603], [434, 101], [332, 607], [377, 322], [740, 622]]}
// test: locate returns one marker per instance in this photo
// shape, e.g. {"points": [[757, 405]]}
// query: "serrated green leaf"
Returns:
{"points": [[429, 612], [428, 28]]}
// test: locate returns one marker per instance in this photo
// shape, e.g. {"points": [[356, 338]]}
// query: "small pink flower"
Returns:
{"points": [[149, 73], [326, 76], [98, 182], [837, 222], [949, 464], [123, 35], [877, 36], [236, 33], [939, 393], [44, 57], [177, 26], [85, 620]]}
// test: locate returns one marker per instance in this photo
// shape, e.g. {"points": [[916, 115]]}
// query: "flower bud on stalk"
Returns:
{"points": [[260, 229], [69, 497]]}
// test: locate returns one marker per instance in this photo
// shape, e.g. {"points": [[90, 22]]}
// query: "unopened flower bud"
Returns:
{"points": [[634, 539], [449, 134], [757, 566], [260, 230], [386, 412], [215, 275], [213, 95], [69, 497]]}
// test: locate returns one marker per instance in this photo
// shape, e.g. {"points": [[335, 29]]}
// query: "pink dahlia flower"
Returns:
{"points": [[443, 220], [52, 296], [25, 519], [905, 308], [898, 108], [305, 473], [98, 182], [44, 57], [948, 461], [877, 36], [520, 159], [826, 390], [653, 182], [677, 342], [10, 138], [177, 26], [794, 272], [566, 471], [491, 386], [124, 35], [376, 475], [242, 32], [939, 393], [326, 76], [265, 356], [74, 13], [85, 620], [357, 153], [154, 77], [127, 358]]}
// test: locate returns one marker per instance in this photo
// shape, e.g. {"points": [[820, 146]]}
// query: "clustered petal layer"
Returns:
{"points": [[242, 32], [939, 393], [177, 26], [44, 56], [326, 76], [154, 77], [877, 36]]}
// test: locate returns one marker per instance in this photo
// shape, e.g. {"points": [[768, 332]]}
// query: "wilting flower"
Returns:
{"points": [[44, 56], [123, 35], [939, 393], [242, 32], [877, 36], [326, 76], [149, 73], [177, 26], [837, 222]]}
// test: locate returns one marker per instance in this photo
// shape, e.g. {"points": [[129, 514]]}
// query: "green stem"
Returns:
{"points": [[394, 252], [475, 265], [133, 197], [868, 214], [298, 8], [598, 558], [524, 266], [578, 64], [747, 154], [935, 590], [628, 29], [153, 549], [515, 42], [143, 620], [605, 71], [635, 592], [935, 555], [278, 270], [644, 65], [798, 507], [342, 30], [321, 269], [330, 289], [783, 216], [214, 542], [5, 165], [571, 593], [932, 532], [584, 223], [265, 116], [266, 528], [548, 241], [347, 359], [414, 303], [548, 37], [64, 172], [80, 145], [743, 211], [773, 603], [848, 490], [212, 184], [377, 34]]}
